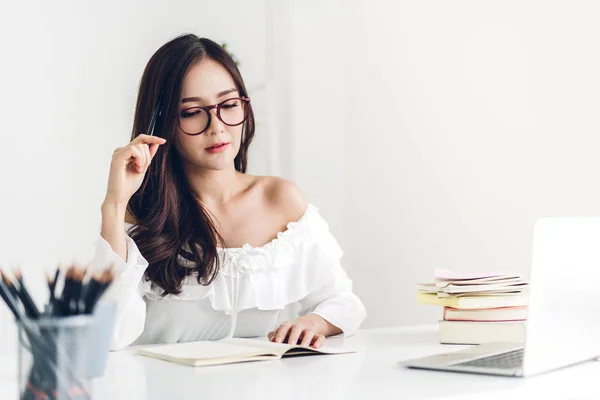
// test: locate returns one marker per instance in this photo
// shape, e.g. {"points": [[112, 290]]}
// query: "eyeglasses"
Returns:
{"points": [[231, 112]]}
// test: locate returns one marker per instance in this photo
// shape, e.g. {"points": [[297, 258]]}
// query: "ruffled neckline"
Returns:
{"points": [[305, 253], [292, 229]]}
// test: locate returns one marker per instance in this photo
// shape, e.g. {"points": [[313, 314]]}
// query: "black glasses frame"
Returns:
{"points": [[218, 107]]}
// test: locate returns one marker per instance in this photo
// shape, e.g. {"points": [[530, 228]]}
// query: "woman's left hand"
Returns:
{"points": [[308, 331]]}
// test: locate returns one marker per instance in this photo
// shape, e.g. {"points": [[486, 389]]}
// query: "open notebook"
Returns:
{"points": [[228, 351]]}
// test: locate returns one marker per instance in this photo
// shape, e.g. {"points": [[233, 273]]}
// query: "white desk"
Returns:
{"points": [[372, 373]]}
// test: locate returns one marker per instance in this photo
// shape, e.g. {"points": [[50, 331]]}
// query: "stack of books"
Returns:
{"points": [[478, 307]]}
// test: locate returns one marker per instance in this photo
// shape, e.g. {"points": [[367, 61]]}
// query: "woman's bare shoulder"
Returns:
{"points": [[283, 196]]}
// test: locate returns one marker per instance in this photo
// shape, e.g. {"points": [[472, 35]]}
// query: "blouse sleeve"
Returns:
{"points": [[332, 297], [124, 292], [336, 303]]}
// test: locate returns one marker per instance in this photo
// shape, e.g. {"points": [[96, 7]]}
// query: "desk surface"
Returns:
{"points": [[371, 373]]}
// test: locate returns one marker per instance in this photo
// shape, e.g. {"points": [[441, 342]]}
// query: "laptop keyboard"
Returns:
{"points": [[509, 360]]}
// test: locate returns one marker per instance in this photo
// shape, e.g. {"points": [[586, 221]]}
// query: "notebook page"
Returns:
{"points": [[200, 350], [282, 348]]}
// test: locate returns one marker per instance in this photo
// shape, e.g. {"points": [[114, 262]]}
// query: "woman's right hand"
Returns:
{"points": [[128, 168]]}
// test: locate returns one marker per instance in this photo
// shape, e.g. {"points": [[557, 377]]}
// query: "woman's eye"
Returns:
{"points": [[230, 105], [187, 114]]}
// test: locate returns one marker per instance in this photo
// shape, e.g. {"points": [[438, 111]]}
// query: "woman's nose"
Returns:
{"points": [[216, 125]]}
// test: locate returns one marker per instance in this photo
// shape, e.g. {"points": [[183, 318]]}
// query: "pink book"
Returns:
{"points": [[486, 314]]}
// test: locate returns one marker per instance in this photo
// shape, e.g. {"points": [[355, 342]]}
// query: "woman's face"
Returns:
{"points": [[208, 83]]}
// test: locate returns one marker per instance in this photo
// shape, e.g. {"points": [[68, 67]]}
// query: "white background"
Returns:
{"points": [[429, 133]]}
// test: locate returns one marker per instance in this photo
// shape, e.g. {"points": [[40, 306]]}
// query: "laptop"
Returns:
{"points": [[563, 326]]}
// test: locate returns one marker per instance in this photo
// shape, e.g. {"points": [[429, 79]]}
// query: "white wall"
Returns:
{"points": [[463, 122], [316, 130], [429, 133], [69, 75]]}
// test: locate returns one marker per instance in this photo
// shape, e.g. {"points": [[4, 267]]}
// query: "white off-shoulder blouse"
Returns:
{"points": [[297, 273]]}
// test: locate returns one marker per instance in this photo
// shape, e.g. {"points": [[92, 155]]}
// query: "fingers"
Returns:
{"points": [[153, 149], [282, 332], [139, 152], [318, 341], [151, 145], [307, 338], [147, 156], [143, 159], [295, 334], [136, 158], [140, 156], [147, 139]]}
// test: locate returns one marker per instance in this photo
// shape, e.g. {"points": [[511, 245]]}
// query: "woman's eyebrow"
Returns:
{"points": [[221, 94]]}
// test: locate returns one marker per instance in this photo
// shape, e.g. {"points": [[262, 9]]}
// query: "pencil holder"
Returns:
{"points": [[53, 358], [99, 338]]}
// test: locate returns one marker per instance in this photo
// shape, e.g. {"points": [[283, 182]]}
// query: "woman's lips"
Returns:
{"points": [[218, 148]]}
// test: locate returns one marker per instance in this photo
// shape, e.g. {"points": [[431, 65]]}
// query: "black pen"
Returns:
{"points": [[74, 306], [28, 303], [52, 288], [9, 300], [65, 299], [11, 288], [91, 290], [98, 286], [155, 114]]}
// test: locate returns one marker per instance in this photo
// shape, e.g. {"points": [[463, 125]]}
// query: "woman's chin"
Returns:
{"points": [[212, 162], [217, 165]]}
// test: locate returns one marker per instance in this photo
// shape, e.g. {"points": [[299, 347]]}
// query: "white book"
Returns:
{"points": [[466, 332], [517, 285], [507, 292], [427, 287], [482, 282], [444, 275], [228, 351]]}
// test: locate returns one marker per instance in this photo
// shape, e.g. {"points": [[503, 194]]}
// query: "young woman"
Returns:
{"points": [[203, 250]]}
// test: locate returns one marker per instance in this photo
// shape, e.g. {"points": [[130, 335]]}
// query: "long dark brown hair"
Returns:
{"points": [[170, 221]]}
